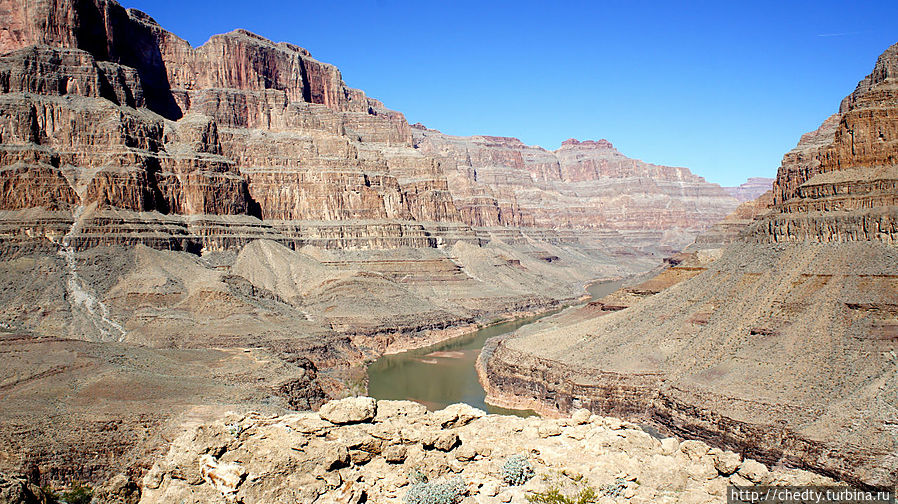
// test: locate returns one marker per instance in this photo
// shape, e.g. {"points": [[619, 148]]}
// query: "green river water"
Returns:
{"points": [[444, 374]]}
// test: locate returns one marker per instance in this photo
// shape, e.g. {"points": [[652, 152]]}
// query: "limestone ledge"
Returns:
{"points": [[361, 450]]}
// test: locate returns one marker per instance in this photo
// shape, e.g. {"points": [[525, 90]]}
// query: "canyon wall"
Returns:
{"points": [[774, 335], [186, 230], [106, 110], [581, 185], [752, 189]]}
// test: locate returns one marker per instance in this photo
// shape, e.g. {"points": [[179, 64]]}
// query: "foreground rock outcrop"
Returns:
{"points": [[357, 450], [775, 337]]}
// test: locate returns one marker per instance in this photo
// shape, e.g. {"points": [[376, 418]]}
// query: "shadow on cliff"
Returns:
{"points": [[108, 32]]}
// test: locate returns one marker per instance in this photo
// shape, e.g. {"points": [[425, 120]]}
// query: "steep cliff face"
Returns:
{"points": [[582, 185], [781, 345], [105, 109], [841, 182]]}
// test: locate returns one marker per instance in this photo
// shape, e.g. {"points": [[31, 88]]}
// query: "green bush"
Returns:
{"points": [[445, 492], [516, 470], [577, 491], [586, 495], [77, 494]]}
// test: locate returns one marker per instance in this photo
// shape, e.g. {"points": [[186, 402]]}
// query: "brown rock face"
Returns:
{"points": [[841, 182], [121, 114], [776, 336], [103, 108]]}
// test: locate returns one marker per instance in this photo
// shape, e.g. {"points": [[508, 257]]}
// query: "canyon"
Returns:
{"points": [[186, 231], [772, 335]]}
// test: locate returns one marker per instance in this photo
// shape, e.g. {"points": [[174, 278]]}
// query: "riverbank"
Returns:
{"points": [[439, 336], [498, 397], [445, 373]]}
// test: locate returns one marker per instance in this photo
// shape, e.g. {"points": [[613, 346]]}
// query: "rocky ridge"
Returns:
{"points": [[774, 337], [358, 450]]}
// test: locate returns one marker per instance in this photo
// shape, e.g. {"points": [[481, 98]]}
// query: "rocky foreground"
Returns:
{"points": [[361, 450]]}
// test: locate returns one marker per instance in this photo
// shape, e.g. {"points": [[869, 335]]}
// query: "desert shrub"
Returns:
{"points": [[77, 494], [585, 495], [614, 489], [516, 470], [234, 429], [435, 492], [577, 491]]}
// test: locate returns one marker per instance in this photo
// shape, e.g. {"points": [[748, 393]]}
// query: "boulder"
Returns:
{"points": [[226, 477], [349, 410], [726, 462], [456, 415], [754, 471]]}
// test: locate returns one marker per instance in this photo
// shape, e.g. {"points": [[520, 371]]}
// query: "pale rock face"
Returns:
{"points": [[669, 445], [276, 472], [726, 462], [751, 189], [580, 416], [693, 449], [753, 471], [224, 476]]}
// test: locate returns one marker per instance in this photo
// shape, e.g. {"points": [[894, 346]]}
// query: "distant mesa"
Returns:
{"points": [[598, 144]]}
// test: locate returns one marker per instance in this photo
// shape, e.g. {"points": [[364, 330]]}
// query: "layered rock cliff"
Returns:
{"points": [[105, 109], [780, 346], [186, 230], [582, 185]]}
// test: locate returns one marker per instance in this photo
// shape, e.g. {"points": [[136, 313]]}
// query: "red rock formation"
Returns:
{"points": [[238, 126], [123, 115], [846, 169]]}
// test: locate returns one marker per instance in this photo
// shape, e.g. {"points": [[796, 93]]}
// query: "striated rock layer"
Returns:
{"points": [[169, 144], [775, 337], [582, 185]]}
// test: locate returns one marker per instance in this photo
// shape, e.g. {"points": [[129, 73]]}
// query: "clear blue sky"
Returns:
{"points": [[724, 88]]}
